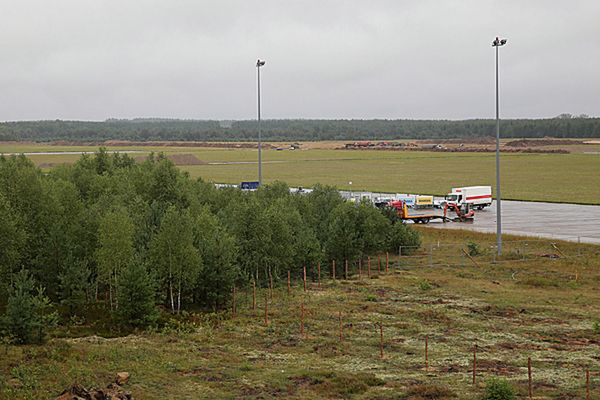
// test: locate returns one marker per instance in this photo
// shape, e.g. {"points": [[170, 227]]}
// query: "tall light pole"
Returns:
{"points": [[259, 64], [497, 43]]}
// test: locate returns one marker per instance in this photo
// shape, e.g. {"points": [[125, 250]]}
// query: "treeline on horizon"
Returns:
{"points": [[110, 236], [564, 126]]}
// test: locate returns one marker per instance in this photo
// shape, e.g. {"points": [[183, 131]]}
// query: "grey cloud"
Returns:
{"points": [[83, 59]]}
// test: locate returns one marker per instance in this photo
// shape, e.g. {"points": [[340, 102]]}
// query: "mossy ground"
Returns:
{"points": [[533, 307]]}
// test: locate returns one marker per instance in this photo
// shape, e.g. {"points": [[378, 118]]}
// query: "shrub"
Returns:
{"points": [[136, 297], [596, 328], [425, 285], [473, 249], [403, 235], [27, 317], [371, 297], [498, 389]]}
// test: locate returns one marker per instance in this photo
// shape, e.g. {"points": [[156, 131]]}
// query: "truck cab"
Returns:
{"points": [[476, 196], [454, 198]]}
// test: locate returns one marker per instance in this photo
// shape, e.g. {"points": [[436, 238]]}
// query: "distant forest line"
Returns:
{"points": [[294, 129]]}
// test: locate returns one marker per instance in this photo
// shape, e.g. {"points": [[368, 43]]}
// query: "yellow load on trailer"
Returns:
{"points": [[424, 202]]}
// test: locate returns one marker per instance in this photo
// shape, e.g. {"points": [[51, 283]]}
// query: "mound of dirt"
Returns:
{"points": [[542, 142], [178, 159], [470, 140], [463, 149]]}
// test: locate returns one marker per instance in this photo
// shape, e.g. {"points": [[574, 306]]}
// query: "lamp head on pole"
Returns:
{"points": [[259, 63], [498, 42]]}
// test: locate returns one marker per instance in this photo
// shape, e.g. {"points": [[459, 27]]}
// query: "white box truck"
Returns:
{"points": [[477, 196]]}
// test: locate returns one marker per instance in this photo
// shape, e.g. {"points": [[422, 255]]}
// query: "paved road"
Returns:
{"points": [[571, 222]]}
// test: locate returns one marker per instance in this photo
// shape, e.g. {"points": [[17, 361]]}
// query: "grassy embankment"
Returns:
{"points": [[540, 308], [570, 178]]}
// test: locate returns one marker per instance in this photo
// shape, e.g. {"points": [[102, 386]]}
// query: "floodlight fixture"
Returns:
{"points": [[498, 42]]}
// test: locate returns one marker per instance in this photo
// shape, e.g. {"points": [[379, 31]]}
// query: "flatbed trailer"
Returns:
{"points": [[424, 219], [402, 209]]}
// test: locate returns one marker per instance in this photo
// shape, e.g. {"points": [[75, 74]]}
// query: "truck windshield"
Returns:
{"points": [[452, 197]]}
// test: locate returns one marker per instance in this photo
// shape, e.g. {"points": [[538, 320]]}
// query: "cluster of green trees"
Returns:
{"points": [[563, 126], [129, 236]]}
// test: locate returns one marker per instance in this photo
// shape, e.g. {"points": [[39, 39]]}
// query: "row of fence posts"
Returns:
{"points": [[269, 293], [333, 272], [431, 248]]}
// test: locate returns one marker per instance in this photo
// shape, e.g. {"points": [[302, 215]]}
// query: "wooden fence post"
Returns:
{"points": [[470, 258], [270, 285], [289, 281], [369, 267], [319, 273], [587, 384], [378, 264], [304, 275], [387, 262], [360, 268], [346, 270], [529, 376]]}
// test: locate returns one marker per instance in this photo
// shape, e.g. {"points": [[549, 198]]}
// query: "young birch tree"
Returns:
{"points": [[115, 249], [174, 257]]}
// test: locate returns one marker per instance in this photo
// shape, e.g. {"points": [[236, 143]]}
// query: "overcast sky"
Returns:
{"points": [[99, 59]]}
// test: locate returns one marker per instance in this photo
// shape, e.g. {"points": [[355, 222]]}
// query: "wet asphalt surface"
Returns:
{"points": [[570, 222]]}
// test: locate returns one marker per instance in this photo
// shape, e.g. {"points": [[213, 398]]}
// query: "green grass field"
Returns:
{"points": [[571, 178], [537, 307]]}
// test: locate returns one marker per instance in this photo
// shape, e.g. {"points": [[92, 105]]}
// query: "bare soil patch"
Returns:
{"points": [[543, 142]]}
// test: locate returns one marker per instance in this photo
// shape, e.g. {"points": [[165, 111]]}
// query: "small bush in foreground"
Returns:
{"points": [[499, 389], [27, 316], [473, 249]]}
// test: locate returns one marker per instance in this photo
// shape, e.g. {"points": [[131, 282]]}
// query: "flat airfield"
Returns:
{"points": [[564, 178]]}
